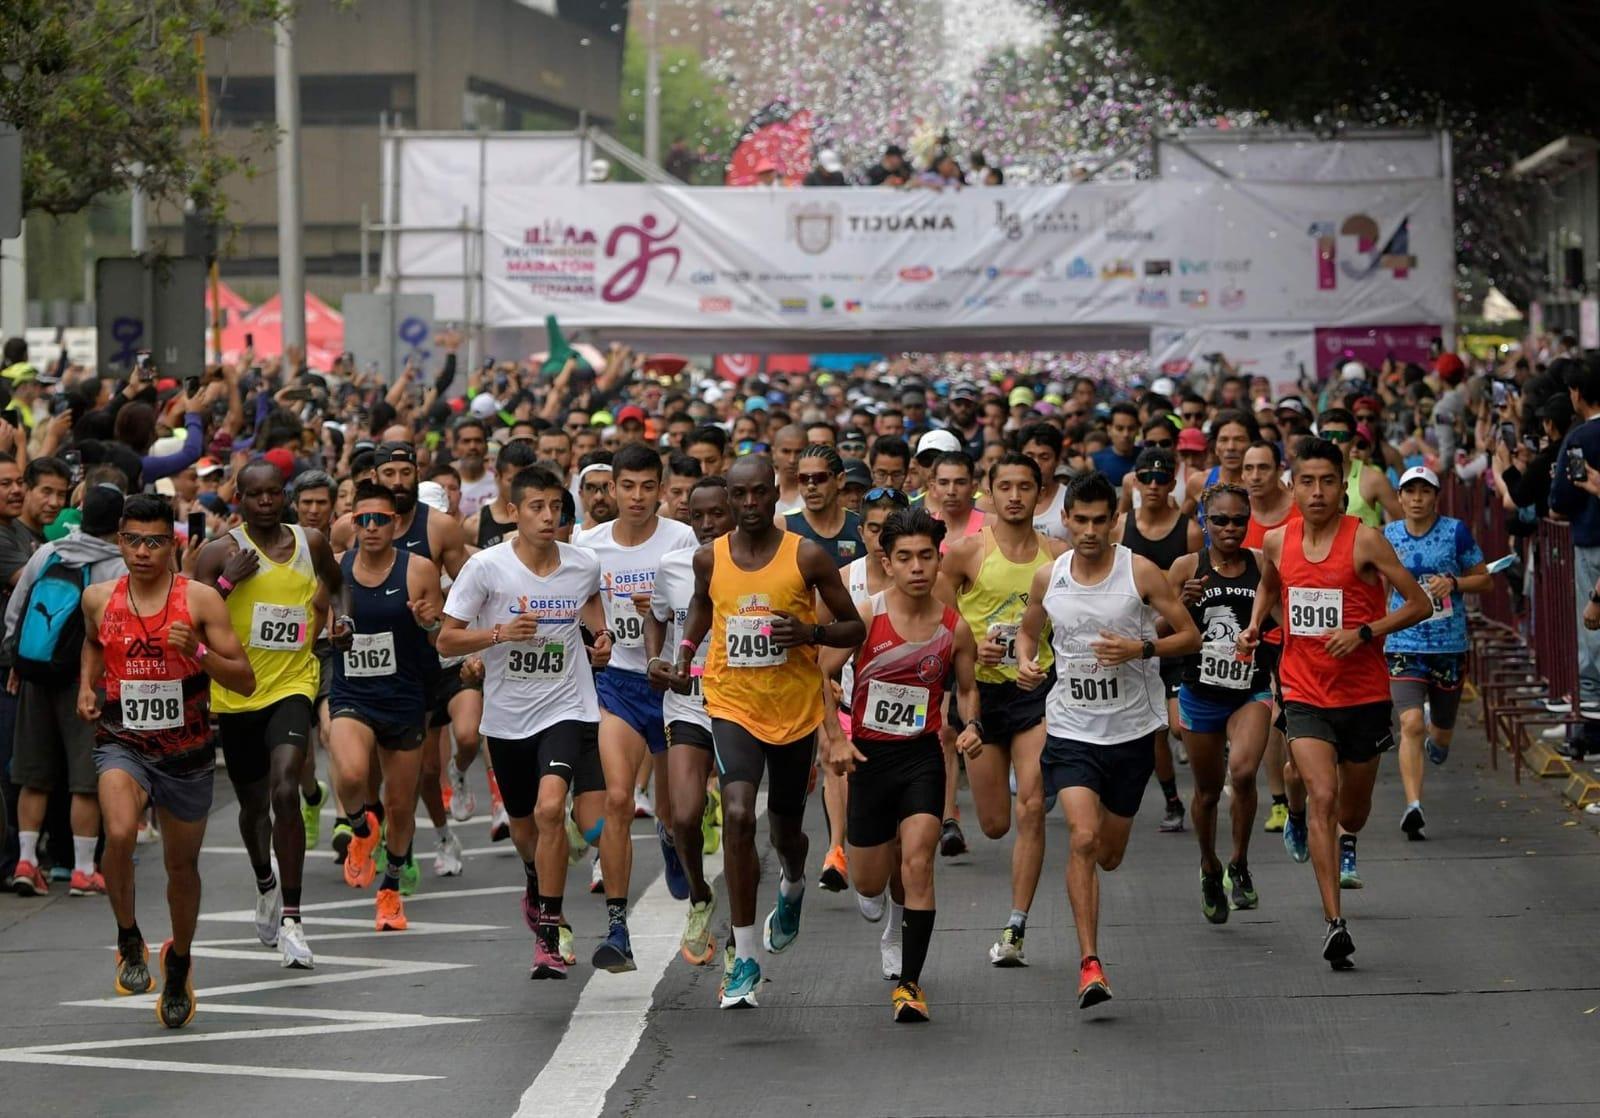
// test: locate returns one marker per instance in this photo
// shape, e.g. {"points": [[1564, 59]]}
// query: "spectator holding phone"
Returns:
{"points": [[1569, 497]]}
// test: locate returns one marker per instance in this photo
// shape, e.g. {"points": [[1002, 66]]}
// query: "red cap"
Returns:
{"points": [[1449, 367], [459, 404], [281, 458], [1371, 403], [1192, 438], [166, 384], [632, 411]]}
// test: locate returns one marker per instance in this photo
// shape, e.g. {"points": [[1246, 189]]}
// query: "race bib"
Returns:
{"points": [[540, 661], [696, 693], [278, 628], [1006, 637], [1090, 684], [371, 655], [1312, 612], [1221, 667], [894, 708], [750, 643], [626, 623], [1443, 608], [152, 705]]}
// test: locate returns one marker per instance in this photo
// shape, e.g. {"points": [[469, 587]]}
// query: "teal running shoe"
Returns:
{"points": [[782, 926], [739, 990]]}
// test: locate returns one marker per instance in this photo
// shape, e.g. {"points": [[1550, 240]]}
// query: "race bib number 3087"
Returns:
{"points": [[1314, 611]]}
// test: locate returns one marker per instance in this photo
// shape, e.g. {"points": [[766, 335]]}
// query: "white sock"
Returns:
{"points": [[443, 831], [897, 914], [791, 890], [744, 942], [29, 843], [83, 853]]}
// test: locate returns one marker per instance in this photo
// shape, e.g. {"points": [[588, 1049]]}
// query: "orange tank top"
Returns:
{"points": [[774, 693], [1320, 596]]}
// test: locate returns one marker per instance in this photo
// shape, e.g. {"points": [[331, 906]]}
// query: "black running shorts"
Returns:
{"points": [[1358, 734], [742, 758], [569, 750], [899, 780], [1117, 773], [248, 739], [1006, 710], [683, 732]]}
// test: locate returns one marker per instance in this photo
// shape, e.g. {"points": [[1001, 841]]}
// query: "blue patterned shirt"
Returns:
{"points": [[1445, 549]]}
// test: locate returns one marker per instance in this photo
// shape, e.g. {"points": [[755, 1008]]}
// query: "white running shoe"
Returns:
{"points": [[148, 833], [292, 943], [597, 880], [463, 801], [642, 807], [499, 824], [1554, 733], [872, 908], [447, 858], [889, 949], [269, 914], [1558, 706]]}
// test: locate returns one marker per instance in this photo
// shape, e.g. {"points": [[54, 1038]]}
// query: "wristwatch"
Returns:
{"points": [[1149, 650], [1365, 633], [818, 632]]}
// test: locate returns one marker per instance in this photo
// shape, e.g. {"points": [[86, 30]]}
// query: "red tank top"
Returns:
{"points": [[899, 686], [158, 701], [1317, 597], [975, 520], [1255, 535]]}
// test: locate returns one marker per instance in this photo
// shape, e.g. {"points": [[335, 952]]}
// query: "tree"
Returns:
{"points": [[692, 105], [99, 87]]}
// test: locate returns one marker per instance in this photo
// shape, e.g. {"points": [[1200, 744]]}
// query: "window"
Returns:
{"points": [[325, 99]]}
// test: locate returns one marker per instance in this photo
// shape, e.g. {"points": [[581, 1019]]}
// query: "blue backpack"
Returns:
{"points": [[50, 633]]}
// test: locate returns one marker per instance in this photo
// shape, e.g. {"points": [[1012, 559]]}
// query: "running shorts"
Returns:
{"points": [[742, 758], [629, 696], [1433, 678], [1117, 773], [1205, 715], [683, 732], [248, 739], [179, 785], [900, 779], [1006, 710], [1172, 676], [1358, 734], [396, 736], [450, 685], [569, 750]]}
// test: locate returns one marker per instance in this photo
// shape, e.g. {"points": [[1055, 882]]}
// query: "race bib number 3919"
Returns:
{"points": [[1314, 611]]}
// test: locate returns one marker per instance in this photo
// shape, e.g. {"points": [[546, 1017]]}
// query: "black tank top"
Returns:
{"points": [[416, 538], [384, 673], [1163, 552], [1223, 610], [490, 530]]}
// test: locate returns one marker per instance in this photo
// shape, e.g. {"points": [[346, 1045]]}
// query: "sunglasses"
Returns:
{"points": [[888, 492], [813, 479], [137, 540], [1161, 444], [1228, 521], [373, 519], [1338, 436], [1155, 477]]}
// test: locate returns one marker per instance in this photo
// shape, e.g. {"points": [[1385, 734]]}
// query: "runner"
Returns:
{"points": [[988, 578], [496, 519], [1225, 703], [629, 549], [786, 447], [1325, 571], [677, 483], [268, 573], [1427, 661], [754, 593], [1368, 495], [527, 604], [469, 445], [1102, 602], [1232, 432], [819, 471], [689, 749], [913, 644], [1271, 506], [1162, 534], [950, 496], [313, 497], [1042, 443], [156, 641], [379, 696]]}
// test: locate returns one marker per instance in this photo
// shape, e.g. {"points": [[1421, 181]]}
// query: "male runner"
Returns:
{"points": [[153, 643], [1427, 661], [268, 572], [819, 471], [914, 643], [629, 549], [1042, 443], [1368, 495], [1271, 506], [689, 749], [496, 519], [525, 603], [988, 577], [677, 483], [754, 592], [950, 500], [786, 447], [1102, 602], [469, 445], [595, 492], [379, 694], [1326, 571]]}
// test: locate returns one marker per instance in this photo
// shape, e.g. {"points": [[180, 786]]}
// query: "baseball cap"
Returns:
{"points": [[432, 494], [384, 452], [1192, 438], [829, 161], [1021, 396], [1293, 404], [208, 466], [601, 418], [1448, 366], [856, 473], [1352, 371], [1163, 386], [1367, 403], [754, 404], [21, 373], [964, 391], [1419, 473], [284, 460], [937, 441], [632, 412], [484, 405]]}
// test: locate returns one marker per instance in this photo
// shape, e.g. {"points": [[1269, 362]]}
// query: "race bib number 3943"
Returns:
{"points": [[750, 644], [543, 660], [1313, 611]]}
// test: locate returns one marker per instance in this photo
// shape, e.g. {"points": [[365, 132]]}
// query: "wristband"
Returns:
{"points": [[224, 585], [434, 628], [494, 635], [690, 645], [1148, 650], [200, 651], [818, 634]]}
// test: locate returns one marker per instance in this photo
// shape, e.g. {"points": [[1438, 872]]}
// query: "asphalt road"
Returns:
{"points": [[1475, 990]]}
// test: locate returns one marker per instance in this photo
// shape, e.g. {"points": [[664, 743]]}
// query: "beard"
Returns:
{"points": [[405, 499]]}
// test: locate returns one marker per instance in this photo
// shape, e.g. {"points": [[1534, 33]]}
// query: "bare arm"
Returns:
{"points": [[966, 662], [425, 597], [1382, 493], [698, 623], [329, 572], [224, 660], [92, 661], [832, 660], [1028, 674]]}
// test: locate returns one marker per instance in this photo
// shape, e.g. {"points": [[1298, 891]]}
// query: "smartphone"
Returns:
{"points": [[141, 361], [1508, 435], [13, 416], [1495, 566], [191, 385], [1577, 468], [74, 461], [197, 526], [59, 404], [1502, 393], [249, 341]]}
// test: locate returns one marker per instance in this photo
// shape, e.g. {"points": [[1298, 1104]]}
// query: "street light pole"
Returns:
{"points": [[652, 85], [291, 253]]}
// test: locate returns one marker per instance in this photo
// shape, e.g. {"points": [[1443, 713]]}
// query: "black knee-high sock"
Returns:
{"points": [[916, 930], [1169, 789]]}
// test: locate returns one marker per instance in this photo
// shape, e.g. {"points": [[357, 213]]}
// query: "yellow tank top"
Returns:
{"points": [[274, 614], [998, 598], [774, 693], [1355, 504]]}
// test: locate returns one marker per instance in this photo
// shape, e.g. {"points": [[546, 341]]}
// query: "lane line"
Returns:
{"points": [[25, 1056]]}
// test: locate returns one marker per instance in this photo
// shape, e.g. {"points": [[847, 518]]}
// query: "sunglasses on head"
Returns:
{"points": [[373, 519], [1222, 521], [887, 492], [1153, 477], [138, 540]]}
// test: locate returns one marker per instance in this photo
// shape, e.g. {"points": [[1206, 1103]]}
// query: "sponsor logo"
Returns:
{"points": [[1158, 267], [983, 302], [550, 233], [649, 244], [1231, 298], [930, 668], [812, 226], [879, 224], [793, 306], [702, 279], [715, 304], [1188, 267], [1117, 269], [851, 306], [1120, 222], [1034, 299], [1153, 297], [1194, 297], [1366, 250], [1046, 223], [826, 302], [917, 273], [1235, 266], [907, 305], [1080, 269]]}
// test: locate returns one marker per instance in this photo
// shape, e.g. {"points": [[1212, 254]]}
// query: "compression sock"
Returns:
{"points": [[392, 865], [745, 942], [617, 911], [1018, 920], [917, 930], [291, 903]]}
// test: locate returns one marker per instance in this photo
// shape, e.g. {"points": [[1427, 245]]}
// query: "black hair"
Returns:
{"points": [[533, 477], [1014, 458], [955, 458], [1155, 403], [715, 481], [1162, 422], [1244, 419], [822, 424], [372, 491], [46, 467], [147, 507], [1585, 379], [904, 523], [636, 458], [1312, 447], [679, 416], [1089, 489], [1124, 408], [827, 453], [890, 446], [443, 469], [1277, 451], [680, 464], [1224, 489], [711, 436], [1337, 415], [541, 432], [465, 421], [1045, 434], [1156, 458], [515, 456]]}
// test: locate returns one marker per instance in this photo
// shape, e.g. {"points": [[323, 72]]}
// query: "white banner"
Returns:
{"points": [[849, 260], [1283, 356]]}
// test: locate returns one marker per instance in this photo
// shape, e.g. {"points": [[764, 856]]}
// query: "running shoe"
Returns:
{"points": [[951, 841], [391, 912], [410, 876], [499, 824], [359, 867], [87, 884], [293, 947], [1337, 946], [677, 880], [312, 816], [1277, 816], [1180, 752], [463, 801], [133, 968], [1092, 985], [1437, 753], [1241, 889], [564, 944], [891, 952], [1294, 839], [910, 1003], [698, 946], [577, 845], [1172, 822], [711, 823], [342, 834], [727, 964], [597, 881], [615, 954], [27, 881], [740, 986], [148, 833], [782, 926], [872, 908], [835, 871], [269, 914], [447, 860], [547, 963], [1213, 898], [1349, 876], [175, 1006], [1413, 824], [642, 807], [1007, 951]]}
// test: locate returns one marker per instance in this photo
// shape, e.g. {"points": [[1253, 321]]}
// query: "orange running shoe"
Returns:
{"points": [[391, 912], [835, 871], [359, 868], [1092, 985]]}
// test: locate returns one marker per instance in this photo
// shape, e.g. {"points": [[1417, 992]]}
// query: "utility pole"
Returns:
{"points": [[652, 84], [291, 254]]}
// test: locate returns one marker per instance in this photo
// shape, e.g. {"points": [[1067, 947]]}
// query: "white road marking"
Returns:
{"points": [[75, 1060]]}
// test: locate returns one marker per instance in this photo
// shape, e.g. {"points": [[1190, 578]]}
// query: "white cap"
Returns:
{"points": [[432, 494], [599, 170], [1163, 386], [1353, 371], [483, 405], [938, 439], [1419, 473], [829, 161]]}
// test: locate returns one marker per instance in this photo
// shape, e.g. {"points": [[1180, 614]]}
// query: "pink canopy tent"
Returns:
{"points": [[324, 332]]}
